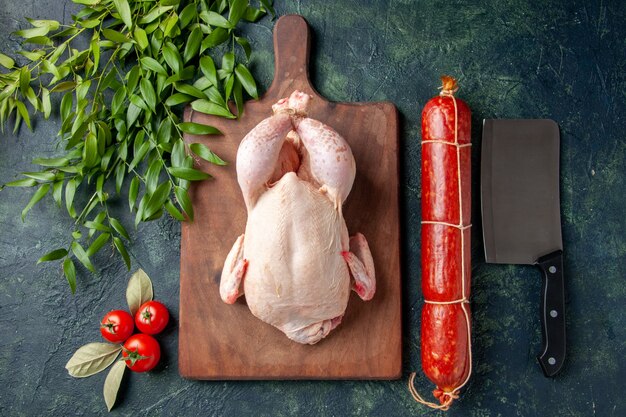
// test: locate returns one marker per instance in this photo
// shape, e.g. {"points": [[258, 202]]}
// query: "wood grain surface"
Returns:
{"points": [[219, 341]]}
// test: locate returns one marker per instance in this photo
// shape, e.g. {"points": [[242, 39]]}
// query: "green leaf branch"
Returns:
{"points": [[120, 102]]}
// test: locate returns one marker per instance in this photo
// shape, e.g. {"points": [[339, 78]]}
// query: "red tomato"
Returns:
{"points": [[141, 352], [117, 326], [152, 317]]}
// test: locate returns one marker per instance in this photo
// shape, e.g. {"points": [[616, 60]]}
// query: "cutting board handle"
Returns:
{"points": [[292, 45]]}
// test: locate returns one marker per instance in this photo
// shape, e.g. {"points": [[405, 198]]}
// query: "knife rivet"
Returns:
{"points": [[551, 361], [552, 269], [553, 313]]}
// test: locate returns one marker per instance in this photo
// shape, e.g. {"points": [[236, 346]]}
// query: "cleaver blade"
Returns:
{"points": [[522, 217]]}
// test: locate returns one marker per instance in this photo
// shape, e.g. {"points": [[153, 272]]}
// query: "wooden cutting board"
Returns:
{"points": [[219, 341]]}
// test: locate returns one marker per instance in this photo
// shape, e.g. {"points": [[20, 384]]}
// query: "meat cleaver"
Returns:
{"points": [[522, 218]]}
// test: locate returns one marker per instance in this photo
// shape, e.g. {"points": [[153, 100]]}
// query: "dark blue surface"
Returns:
{"points": [[563, 60]]}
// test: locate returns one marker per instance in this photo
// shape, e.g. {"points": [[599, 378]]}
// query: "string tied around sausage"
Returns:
{"points": [[449, 86], [447, 397]]}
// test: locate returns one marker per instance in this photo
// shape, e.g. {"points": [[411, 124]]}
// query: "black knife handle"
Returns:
{"points": [[552, 313]]}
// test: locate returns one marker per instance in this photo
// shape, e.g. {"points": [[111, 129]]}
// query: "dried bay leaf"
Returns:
{"points": [[92, 358], [139, 291], [112, 383]]}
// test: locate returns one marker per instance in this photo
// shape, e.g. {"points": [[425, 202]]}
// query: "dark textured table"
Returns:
{"points": [[515, 59]]}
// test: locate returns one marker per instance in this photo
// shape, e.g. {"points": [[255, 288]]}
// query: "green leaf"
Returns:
{"points": [[152, 175], [215, 19], [115, 36], [138, 101], [189, 89], [70, 190], [32, 55], [32, 98], [99, 186], [133, 79], [205, 153], [94, 46], [87, 2], [98, 243], [141, 38], [39, 40], [188, 14], [207, 66], [214, 95], [39, 194], [117, 226], [190, 174], [141, 209], [158, 198], [91, 150], [177, 99], [120, 172], [164, 134], [141, 152], [178, 153], [184, 201], [205, 106], [198, 129], [149, 96], [97, 225], [267, 5], [124, 10], [229, 85], [21, 108], [247, 81], [237, 10], [173, 211], [238, 95], [66, 105], [82, 256], [32, 32], [53, 256], [57, 192], [132, 114], [41, 176], [90, 23], [24, 182], [45, 102], [64, 86], [193, 44], [170, 25], [51, 162], [152, 65], [172, 57], [132, 193], [155, 13], [118, 101], [119, 245], [252, 14], [217, 37], [243, 42], [6, 61], [70, 273], [228, 62]]}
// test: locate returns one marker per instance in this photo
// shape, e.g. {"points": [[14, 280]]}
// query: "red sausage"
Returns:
{"points": [[446, 255]]}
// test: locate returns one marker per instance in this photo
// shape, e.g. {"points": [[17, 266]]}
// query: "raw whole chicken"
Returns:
{"points": [[295, 258]]}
